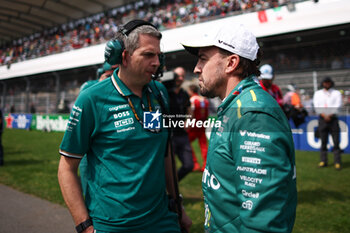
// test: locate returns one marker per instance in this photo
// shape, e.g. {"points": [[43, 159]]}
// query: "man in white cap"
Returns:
{"points": [[266, 81], [249, 182]]}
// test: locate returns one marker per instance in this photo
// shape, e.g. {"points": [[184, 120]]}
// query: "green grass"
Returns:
{"points": [[31, 160]]}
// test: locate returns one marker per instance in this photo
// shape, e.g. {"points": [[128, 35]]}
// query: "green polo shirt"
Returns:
{"points": [[249, 183], [126, 188], [83, 162]]}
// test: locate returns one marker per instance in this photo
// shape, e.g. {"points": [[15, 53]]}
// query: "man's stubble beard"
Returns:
{"points": [[214, 90]]}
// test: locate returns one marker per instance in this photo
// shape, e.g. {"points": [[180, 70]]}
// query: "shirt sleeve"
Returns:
{"points": [[316, 103], [265, 171], [76, 140], [338, 101]]}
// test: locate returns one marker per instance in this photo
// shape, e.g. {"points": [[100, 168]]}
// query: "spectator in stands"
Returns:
{"points": [[128, 166], [101, 27], [200, 112], [327, 103], [336, 63], [346, 60], [266, 81], [180, 105], [250, 170]]}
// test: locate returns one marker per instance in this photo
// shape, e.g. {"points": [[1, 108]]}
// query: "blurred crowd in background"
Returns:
{"points": [[168, 14], [99, 28]]}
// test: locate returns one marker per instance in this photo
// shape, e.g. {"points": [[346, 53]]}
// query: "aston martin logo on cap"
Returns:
{"points": [[222, 42]]}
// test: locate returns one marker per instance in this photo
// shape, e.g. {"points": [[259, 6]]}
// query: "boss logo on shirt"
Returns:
{"points": [[121, 114]]}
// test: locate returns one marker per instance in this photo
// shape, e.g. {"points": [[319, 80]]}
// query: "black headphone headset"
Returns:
{"points": [[114, 48]]}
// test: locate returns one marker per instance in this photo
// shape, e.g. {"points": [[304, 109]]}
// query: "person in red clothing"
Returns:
{"points": [[200, 111], [266, 82]]}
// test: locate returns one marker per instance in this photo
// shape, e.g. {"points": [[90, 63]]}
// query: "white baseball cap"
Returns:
{"points": [[266, 72], [233, 38]]}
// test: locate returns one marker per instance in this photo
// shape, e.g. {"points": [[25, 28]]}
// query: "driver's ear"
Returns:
{"points": [[232, 63]]}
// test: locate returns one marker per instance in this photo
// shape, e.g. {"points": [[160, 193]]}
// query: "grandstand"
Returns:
{"points": [[303, 40]]}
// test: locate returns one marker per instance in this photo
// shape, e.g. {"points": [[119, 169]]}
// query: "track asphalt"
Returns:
{"points": [[20, 212]]}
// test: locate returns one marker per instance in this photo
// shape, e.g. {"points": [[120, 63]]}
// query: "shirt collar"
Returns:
{"points": [[239, 88], [121, 87], [330, 90]]}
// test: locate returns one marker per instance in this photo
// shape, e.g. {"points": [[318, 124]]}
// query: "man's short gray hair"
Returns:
{"points": [[131, 42]]}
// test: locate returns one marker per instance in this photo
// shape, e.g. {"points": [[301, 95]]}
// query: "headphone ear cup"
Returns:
{"points": [[99, 72], [113, 52], [161, 62], [159, 72]]}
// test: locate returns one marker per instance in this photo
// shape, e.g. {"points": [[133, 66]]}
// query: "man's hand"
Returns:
{"points": [[186, 222], [90, 229], [327, 118]]}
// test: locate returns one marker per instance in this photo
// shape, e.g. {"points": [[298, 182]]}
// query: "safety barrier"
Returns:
{"points": [[304, 135]]}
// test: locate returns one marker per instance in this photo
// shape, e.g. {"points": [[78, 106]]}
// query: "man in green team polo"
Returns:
{"points": [[127, 171], [249, 183], [101, 74]]}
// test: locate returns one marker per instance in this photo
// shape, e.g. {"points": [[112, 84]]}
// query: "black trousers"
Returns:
{"points": [[182, 148], [332, 128]]}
